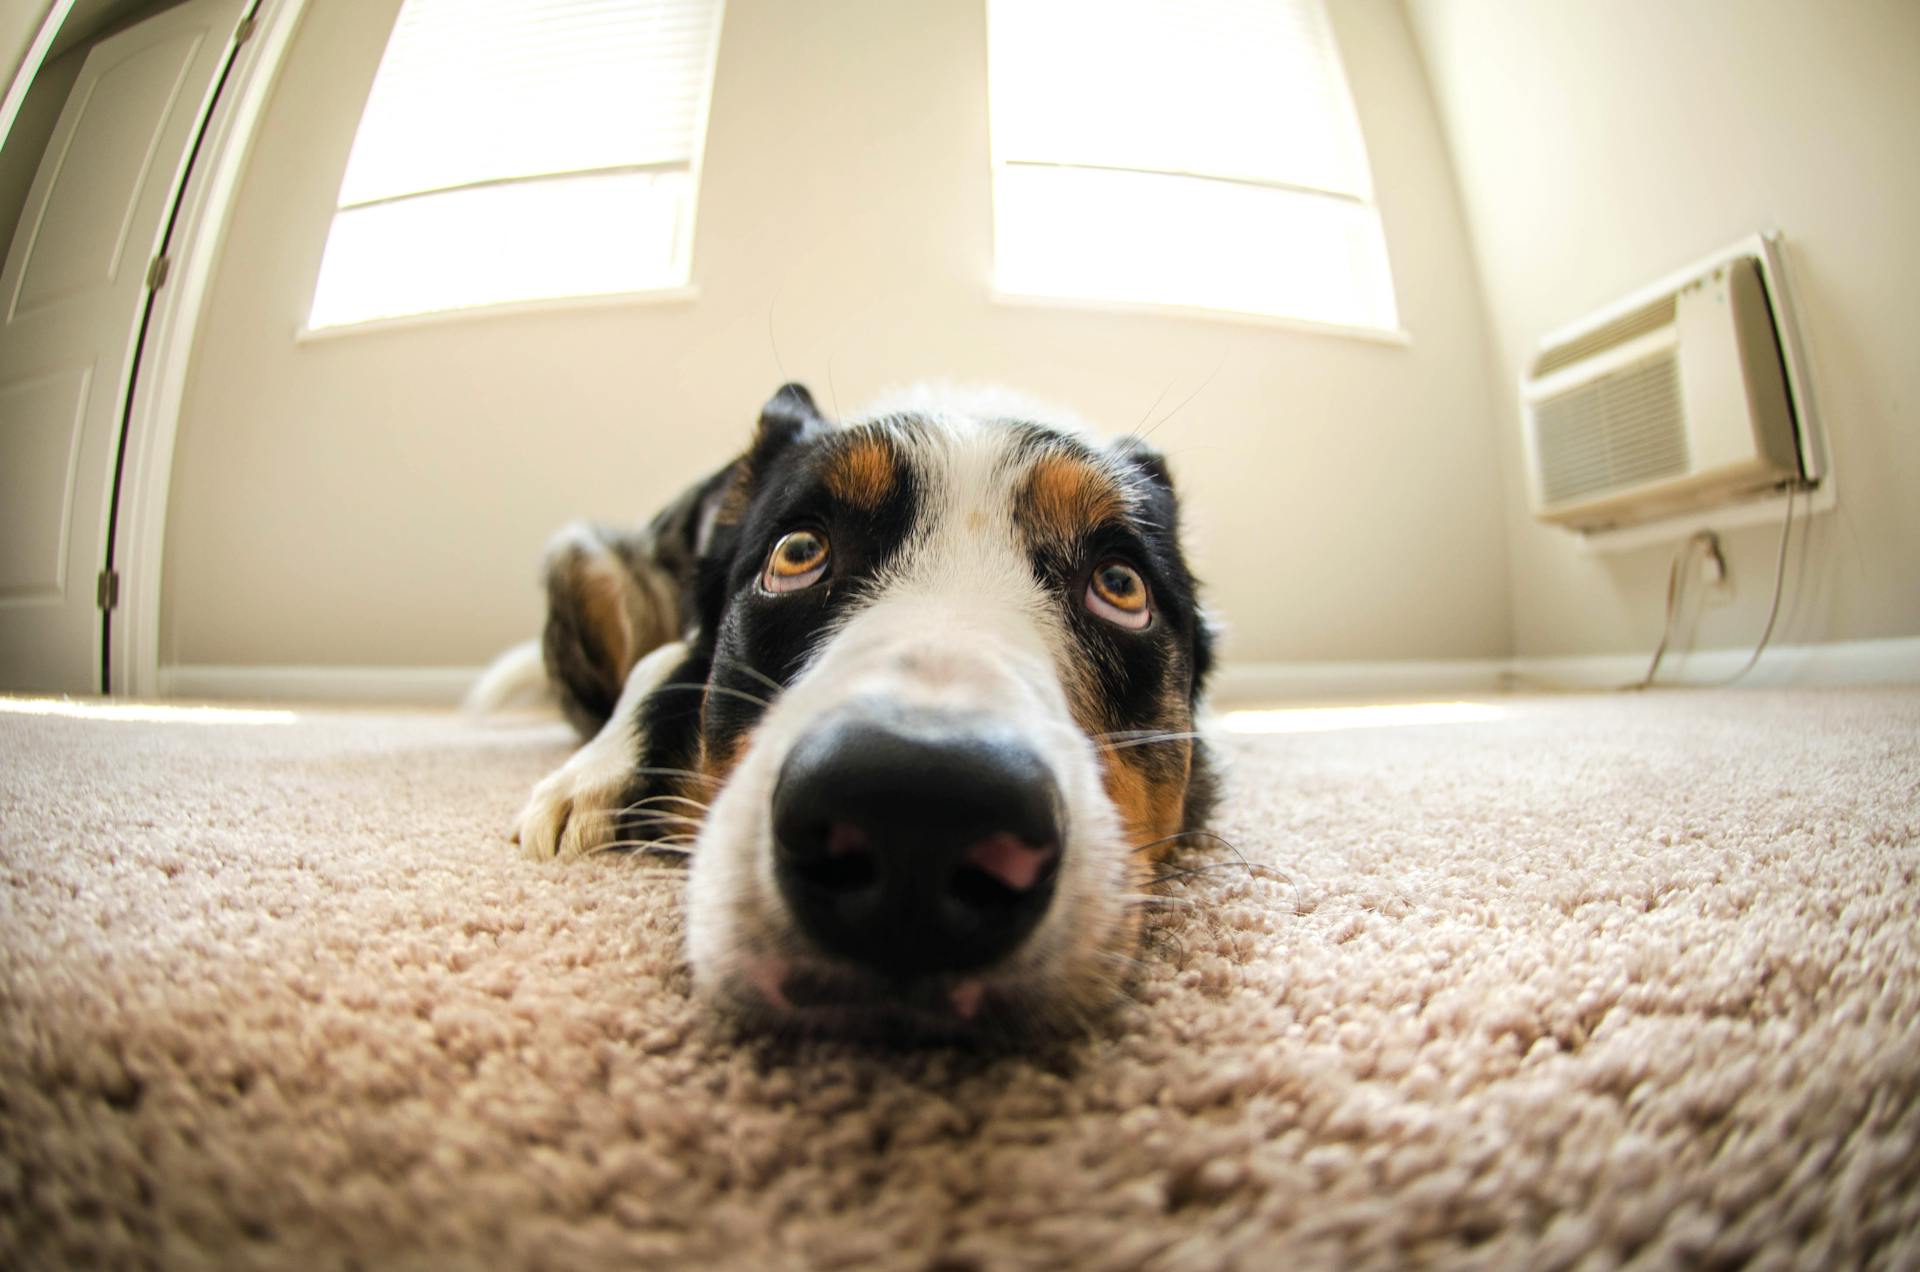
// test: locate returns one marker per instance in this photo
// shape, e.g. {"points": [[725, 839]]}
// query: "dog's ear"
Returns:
{"points": [[1144, 459], [789, 415], [711, 516]]}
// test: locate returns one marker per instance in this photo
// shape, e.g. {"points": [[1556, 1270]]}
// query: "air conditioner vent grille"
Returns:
{"points": [[1607, 335], [1614, 432]]}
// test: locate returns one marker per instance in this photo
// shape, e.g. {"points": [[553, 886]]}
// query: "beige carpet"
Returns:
{"points": [[1607, 980]]}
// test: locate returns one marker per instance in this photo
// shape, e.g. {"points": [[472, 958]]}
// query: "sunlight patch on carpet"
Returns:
{"points": [[143, 712]]}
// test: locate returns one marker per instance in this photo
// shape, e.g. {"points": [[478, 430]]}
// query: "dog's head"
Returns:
{"points": [[955, 659]]}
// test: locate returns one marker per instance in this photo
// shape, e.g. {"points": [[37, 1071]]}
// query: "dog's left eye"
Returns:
{"points": [[798, 560], [1117, 593]]}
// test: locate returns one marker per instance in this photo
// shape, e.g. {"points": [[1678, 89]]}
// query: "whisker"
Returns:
{"points": [[674, 799], [1127, 961], [628, 814], [1190, 834], [703, 687], [634, 821], [669, 847], [1148, 414], [1183, 401], [1258, 872], [689, 774], [771, 338], [1151, 740], [650, 831], [753, 671], [1147, 901]]}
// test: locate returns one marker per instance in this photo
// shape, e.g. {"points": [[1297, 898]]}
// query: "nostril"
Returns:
{"points": [[843, 860], [844, 839], [982, 895], [1008, 861]]}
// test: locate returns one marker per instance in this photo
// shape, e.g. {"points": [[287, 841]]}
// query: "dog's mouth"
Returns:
{"points": [[808, 997]]}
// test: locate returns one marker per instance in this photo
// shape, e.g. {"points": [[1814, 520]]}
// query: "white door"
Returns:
{"points": [[73, 298]]}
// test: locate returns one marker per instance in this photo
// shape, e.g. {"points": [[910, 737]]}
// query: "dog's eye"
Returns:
{"points": [[1117, 593], [798, 560]]}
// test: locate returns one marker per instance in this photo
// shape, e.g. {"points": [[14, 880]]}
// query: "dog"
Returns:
{"points": [[917, 695]]}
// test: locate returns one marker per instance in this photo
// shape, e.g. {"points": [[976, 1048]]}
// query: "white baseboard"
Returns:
{"points": [[1860, 662], [1863, 662], [1253, 683], [1857, 662]]}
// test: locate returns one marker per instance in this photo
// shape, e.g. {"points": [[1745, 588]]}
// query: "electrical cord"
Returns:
{"points": [[1773, 610], [1675, 588], [1705, 538]]}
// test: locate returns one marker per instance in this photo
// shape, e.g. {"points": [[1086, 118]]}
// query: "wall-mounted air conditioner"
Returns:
{"points": [[1678, 399]]}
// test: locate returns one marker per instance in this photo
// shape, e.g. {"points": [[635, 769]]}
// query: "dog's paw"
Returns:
{"points": [[575, 810]]}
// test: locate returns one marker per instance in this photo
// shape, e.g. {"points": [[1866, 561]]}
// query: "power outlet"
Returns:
{"points": [[1713, 566]]}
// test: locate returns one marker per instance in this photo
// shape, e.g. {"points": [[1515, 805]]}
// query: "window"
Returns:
{"points": [[516, 150], [1182, 152]]}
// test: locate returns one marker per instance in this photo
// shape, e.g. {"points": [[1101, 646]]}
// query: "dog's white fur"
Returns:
{"points": [[957, 624], [571, 811]]}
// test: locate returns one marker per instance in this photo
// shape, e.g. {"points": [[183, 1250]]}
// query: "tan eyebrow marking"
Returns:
{"points": [[1065, 497], [863, 474]]}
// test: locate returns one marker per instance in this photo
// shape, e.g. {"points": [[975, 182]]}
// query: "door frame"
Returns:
{"points": [[21, 78], [165, 352]]}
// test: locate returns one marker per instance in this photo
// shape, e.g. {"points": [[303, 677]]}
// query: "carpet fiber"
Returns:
{"points": [[1607, 979]]}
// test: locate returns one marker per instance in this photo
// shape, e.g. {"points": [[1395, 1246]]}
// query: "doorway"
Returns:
{"points": [[85, 262]]}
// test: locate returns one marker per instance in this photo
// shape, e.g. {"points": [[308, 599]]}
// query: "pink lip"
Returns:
{"points": [[769, 976], [966, 997]]}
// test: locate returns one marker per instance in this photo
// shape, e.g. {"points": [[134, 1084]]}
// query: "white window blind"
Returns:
{"points": [[1182, 152], [516, 150]]}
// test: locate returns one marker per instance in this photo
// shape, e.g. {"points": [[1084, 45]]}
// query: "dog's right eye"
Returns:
{"points": [[798, 560]]}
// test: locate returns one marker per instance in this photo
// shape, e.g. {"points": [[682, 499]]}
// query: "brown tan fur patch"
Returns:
{"points": [[1148, 792], [1151, 807], [862, 474], [1065, 497], [716, 760], [603, 608]]}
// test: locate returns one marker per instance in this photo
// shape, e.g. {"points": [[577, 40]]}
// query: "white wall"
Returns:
{"points": [[1603, 143], [382, 497]]}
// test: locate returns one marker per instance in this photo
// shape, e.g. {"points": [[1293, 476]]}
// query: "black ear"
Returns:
{"points": [[1149, 463], [788, 415], [1144, 459]]}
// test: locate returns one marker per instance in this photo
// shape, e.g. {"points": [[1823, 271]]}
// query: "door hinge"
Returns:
{"points": [[243, 32], [107, 590], [157, 271]]}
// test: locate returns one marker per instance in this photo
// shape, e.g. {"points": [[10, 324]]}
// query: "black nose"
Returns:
{"points": [[915, 843]]}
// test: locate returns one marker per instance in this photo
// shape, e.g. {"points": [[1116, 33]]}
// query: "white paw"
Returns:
{"points": [[576, 809]]}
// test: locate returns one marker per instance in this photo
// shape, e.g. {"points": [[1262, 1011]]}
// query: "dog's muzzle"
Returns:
{"points": [[915, 842]]}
